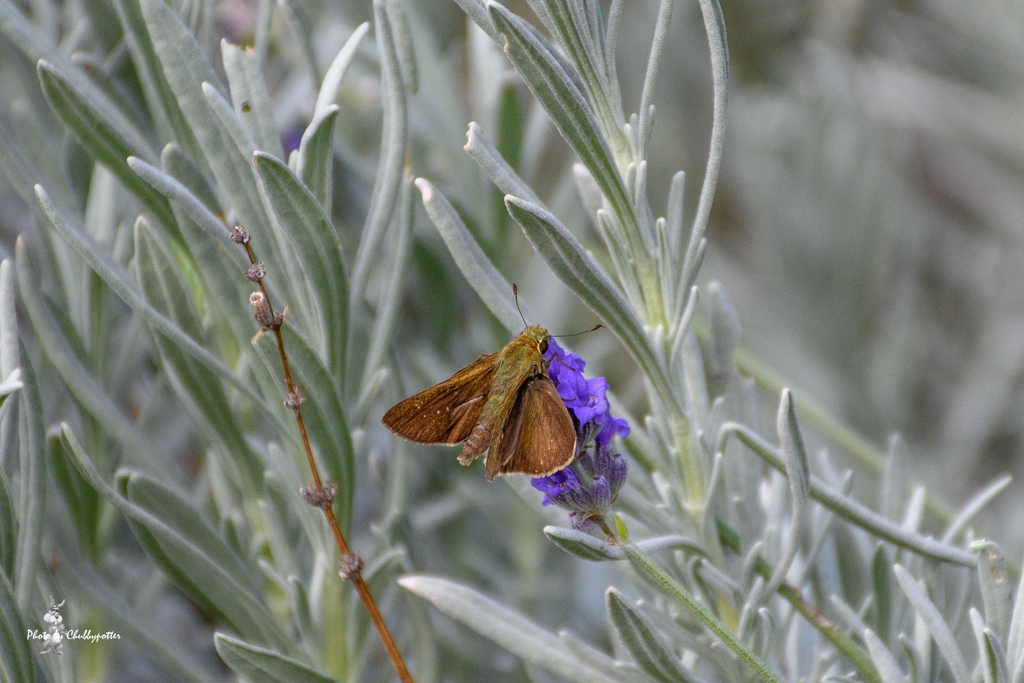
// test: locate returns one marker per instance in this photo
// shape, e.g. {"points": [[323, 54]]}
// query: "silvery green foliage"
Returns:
{"points": [[152, 460], [149, 473], [735, 577]]}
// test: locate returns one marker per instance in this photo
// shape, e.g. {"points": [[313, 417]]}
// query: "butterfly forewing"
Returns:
{"points": [[447, 412], [539, 438]]}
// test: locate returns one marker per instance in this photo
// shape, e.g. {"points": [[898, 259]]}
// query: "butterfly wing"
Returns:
{"points": [[447, 412], [539, 438]]}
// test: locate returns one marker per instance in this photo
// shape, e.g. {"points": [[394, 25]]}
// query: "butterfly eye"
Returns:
{"points": [[544, 346]]}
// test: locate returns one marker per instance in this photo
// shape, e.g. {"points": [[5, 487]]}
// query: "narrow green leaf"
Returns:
{"points": [[230, 121], [570, 22], [259, 665], [117, 615], [221, 262], [316, 154], [82, 500], [403, 43], [250, 98], [477, 11], [882, 592], [32, 488], [322, 413], [328, 94], [583, 545], [301, 26], [938, 629], [391, 296], [316, 243], [74, 237], [674, 220], [197, 206], [847, 508], [895, 478], [80, 382], [649, 648], [15, 654], [37, 45], [168, 117], [992, 658], [1015, 639], [489, 284], [486, 155], [164, 289], [172, 39], [653, 63], [264, 21], [795, 456], [918, 671], [392, 158], [574, 119], [151, 495], [18, 167], [186, 68], [995, 587], [888, 669], [995, 658], [975, 505], [724, 328], [101, 127], [509, 629], [184, 546], [177, 164], [657, 577], [108, 136], [8, 522], [835, 635], [9, 360], [573, 266], [714, 26]]}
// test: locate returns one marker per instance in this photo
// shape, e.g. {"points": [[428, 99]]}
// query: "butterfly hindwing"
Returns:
{"points": [[539, 438], [446, 412]]}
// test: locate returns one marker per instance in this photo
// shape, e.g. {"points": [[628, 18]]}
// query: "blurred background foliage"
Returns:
{"points": [[867, 225]]}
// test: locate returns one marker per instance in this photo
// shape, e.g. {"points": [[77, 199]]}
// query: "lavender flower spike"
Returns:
{"points": [[588, 487]]}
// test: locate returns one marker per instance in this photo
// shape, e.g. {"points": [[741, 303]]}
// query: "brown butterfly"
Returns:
{"points": [[504, 404]]}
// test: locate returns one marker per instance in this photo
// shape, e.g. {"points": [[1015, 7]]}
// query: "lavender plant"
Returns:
{"points": [[150, 474]]}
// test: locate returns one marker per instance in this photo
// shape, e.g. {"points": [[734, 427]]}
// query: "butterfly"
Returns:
{"points": [[504, 403]]}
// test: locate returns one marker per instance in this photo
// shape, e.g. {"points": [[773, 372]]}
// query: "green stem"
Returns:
{"points": [[690, 466], [658, 578]]}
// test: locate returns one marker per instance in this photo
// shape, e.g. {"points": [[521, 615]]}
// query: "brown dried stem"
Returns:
{"points": [[321, 496]]}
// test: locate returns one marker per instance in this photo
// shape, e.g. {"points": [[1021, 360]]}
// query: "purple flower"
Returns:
{"points": [[586, 399], [564, 488], [588, 486], [615, 425]]}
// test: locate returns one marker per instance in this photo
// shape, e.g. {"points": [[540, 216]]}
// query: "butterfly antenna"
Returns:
{"points": [[515, 293], [576, 334]]}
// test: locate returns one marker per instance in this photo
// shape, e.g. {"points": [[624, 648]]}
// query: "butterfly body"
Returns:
{"points": [[504, 403]]}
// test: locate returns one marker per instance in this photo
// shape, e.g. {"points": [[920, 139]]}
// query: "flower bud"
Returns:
{"points": [[617, 474], [586, 461], [585, 523], [601, 494]]}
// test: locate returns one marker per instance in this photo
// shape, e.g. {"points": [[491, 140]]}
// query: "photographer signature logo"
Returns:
{"points": [[56, 633]]}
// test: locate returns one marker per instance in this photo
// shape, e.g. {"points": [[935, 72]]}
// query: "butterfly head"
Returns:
{"points": [[537, 337]]}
